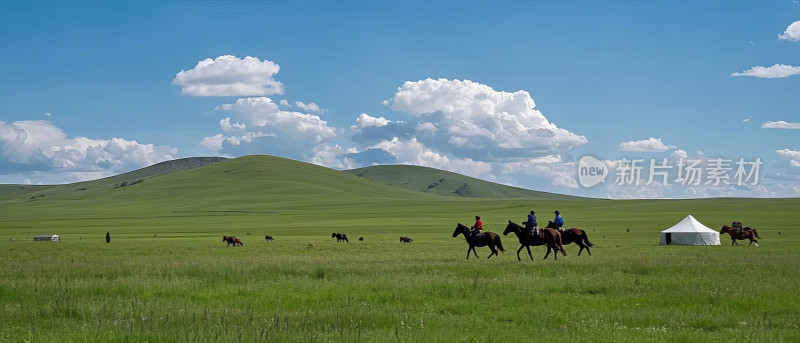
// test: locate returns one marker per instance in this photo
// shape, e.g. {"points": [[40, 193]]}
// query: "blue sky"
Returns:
{"points": [[93, 89]]}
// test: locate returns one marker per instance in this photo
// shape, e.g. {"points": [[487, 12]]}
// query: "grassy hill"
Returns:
{"points": [[440, 182]]}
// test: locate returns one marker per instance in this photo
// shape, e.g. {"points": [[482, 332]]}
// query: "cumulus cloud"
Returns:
{"points": [[792, 32], [780, 125], [258, 125], [646, 145], [791, 156], [230, 76], [312, 107], [551, 167], [38, 145], [773, 72], [284, 103], [365, 120], [479, 122]]}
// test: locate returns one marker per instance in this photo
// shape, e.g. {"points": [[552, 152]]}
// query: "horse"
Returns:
{"points": [[340, 237], [740, 235], [549, 237], [574, 235], [487, 238], [361, 239], [406, 240], [232, 240], [268, 238]]}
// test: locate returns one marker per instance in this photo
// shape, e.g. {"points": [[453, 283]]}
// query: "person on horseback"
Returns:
{"points": [[558, 221], [478, 227], [737, 226], [531, 225]]}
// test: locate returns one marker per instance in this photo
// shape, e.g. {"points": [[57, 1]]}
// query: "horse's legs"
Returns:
{"points": [[468, 250], [474, 251], [520, 249], [529, 252], [548, 253], [494, 251]]}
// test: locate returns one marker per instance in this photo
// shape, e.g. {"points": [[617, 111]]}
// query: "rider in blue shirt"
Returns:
{"points": [[558, 221], [531, 223]]}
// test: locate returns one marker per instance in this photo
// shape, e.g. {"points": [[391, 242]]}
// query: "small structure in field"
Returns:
{"points": [[689, 231], [47, 238]]}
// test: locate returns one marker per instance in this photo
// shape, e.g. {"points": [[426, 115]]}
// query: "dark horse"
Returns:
{"points": [[549, 237], [740, 234], [340, 237], [487, 238], [406, 240], [269, 238], [232, 240], [574, 235]]}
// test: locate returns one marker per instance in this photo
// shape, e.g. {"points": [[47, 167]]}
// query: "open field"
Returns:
{"points": [[167, 276]]}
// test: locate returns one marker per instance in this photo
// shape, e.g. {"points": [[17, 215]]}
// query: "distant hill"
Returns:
{"points": [[440, 182], [246, 183], [116, 181]]}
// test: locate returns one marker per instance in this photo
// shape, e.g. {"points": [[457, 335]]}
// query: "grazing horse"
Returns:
{"points": [[740, 235], [487, 238], [406, 240], [549, 237], [269, 238], [361, 239], [340, 237], [576, 236], [232, 240]]}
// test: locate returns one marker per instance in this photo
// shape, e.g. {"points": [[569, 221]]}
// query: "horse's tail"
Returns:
{"points": [[585, 238], [499, 243], [755, 232]]}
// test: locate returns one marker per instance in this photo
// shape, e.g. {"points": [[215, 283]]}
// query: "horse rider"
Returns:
{"points": [[738, 227], [478, 227], [531, 224], [558, 221]]}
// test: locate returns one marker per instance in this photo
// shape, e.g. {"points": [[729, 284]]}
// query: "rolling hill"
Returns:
{"points": [[440, 182]]}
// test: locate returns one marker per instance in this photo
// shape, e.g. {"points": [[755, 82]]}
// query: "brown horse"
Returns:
{"points": [[490, 239], [574, 235], [406, 239], [739, 234], [232, 240], [549, 237]]}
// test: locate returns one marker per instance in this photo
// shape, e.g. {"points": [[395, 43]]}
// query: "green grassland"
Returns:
{"points": [[166, 276]]}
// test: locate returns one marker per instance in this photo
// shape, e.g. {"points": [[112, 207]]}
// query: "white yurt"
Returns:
{"points": [[689, 231]]}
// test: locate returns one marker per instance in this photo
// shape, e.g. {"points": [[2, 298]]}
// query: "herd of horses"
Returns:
{"points": [[550, 236]]}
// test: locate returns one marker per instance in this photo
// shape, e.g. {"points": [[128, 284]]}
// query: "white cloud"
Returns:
{"points": [[285, 103], [792, 32], [551, 167], [39, 145], [48, 114], [475, 120], [308, 107], [258, 126], [746, 120], [780, 125], [646, 145], [776, 71], [365, 120], [230, 76], [413, 152], [789, 155]]}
